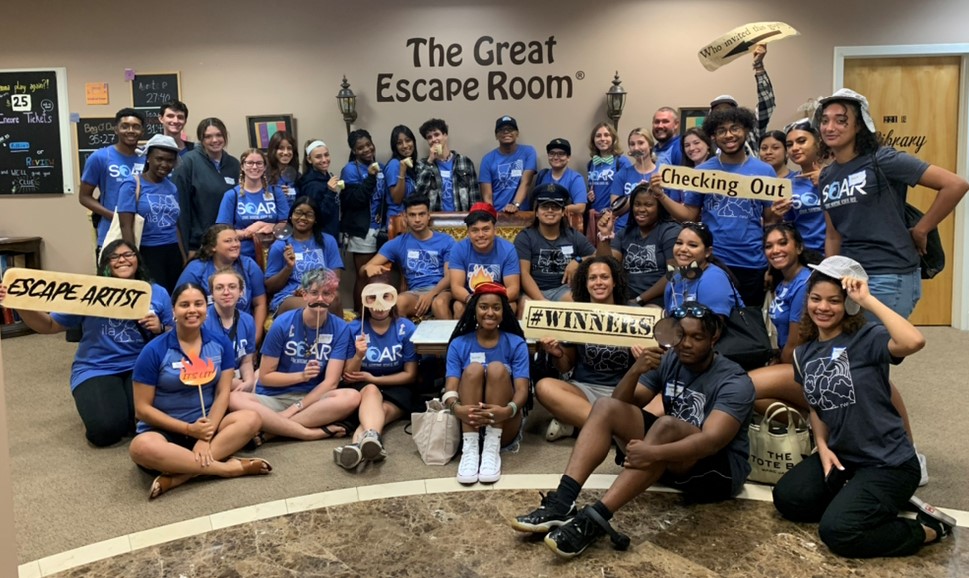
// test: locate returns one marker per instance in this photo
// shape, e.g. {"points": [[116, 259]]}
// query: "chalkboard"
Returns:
{"points": [[150, 91], [34, 136], [93, 134]]}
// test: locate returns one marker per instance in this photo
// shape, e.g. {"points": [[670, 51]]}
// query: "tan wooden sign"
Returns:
{"points": [[591, 323], [724, 183], [36, 290], [740, 41]]}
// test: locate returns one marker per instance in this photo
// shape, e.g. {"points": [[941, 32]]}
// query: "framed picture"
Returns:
{"points": [[692, 116], [262, 128]]}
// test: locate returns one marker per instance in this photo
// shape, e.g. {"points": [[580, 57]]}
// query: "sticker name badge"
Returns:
{"points": [[325, 338], [516, 173], [230, 180], [176, 365], [567, 250], [836, 352], [478, 357], [413, 254], [267, 196], [445, 174]]}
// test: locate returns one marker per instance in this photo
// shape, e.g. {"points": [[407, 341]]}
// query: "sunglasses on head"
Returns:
{"points": [[695, 225], [694, 311], [803, 124]]}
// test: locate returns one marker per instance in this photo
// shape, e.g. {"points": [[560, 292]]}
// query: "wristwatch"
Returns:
{"points": [[639, 300], [578, 258], [517, 205]]}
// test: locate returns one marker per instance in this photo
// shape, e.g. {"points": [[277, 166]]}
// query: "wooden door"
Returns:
{"points": [[914, 102]]}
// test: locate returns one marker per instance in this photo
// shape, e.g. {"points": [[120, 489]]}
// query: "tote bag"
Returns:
{"points": [[775, 447], [114, 231], [437, 433]]}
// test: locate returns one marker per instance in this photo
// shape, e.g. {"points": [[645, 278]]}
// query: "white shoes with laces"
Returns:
{"points": [[490, 469]]}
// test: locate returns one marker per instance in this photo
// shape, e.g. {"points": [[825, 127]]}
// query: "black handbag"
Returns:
{"points": [[744, 339], [933, 261]]}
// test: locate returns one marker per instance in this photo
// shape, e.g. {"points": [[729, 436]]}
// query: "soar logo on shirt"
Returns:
{"points": [[422, 262], [384, 355], [551, 261], [264, 209], [685, 404], [843, 192], [730, 208], [602, 176], [508, 175], [827, 382], [122, 172], [640, 258]]}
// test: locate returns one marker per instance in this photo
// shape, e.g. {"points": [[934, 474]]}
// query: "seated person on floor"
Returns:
{"points": [[307, 249], [700, 446], [486, 382], [302, 362], [181, 388], [226, 287], [422, 255], [482, 257], [596, 369], [865, 470], [550, 250], [697, 275], [101, 372], [383, 368]]}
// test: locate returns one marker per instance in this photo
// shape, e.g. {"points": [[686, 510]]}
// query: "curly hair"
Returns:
{"points": [[850, 324], [209, 240], [104, 262], [469, 320], [738, 115], [866, 142], [580, 281]]}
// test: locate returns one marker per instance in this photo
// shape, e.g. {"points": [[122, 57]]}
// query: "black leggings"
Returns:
{"points": [[106, 406], [164, 264]]}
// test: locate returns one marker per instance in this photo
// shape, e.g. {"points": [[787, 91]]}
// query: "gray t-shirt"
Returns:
{"points": [[867, 207], [845, 381], [644, 258], [550, 258], [723, 386], [601, 364]]}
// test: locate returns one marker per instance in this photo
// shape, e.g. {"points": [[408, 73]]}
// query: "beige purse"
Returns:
{"points": [[114, 231], [437, 433], [775, 447]]}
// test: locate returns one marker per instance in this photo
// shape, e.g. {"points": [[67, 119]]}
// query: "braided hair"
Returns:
{"points": [[469, 320]]}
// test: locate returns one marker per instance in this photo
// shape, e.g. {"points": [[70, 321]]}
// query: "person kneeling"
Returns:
{"points": [[700, 446]]}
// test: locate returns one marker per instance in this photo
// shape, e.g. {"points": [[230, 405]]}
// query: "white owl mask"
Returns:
{"points": [[379, 296]]}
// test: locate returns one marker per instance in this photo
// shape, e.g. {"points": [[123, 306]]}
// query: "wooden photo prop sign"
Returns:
{"points": [[591, 323], [724, 183], [36, 290], [740, 41]]}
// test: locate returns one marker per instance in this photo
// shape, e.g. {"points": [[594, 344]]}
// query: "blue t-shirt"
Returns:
{"points": [[309, 256], [106, 169], [736, 224], [391, 176], [670, 152], [712, 289], [199, 271], [160, 365], [788, 304], [446, 169], [387, 353], [622, 186], [158, 204], [512, 351], [493, 266], [241, 209], [504, 172], [601, 177], [355, 173], [110, 346], [291, 341], [571, 180], [806, 212], [422, 262], [242, 333]]}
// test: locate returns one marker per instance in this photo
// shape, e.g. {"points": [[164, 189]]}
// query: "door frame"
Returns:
{"points": [[960, 266]]}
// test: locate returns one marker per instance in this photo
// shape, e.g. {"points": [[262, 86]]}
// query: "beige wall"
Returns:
{"points": [[249, 61]]}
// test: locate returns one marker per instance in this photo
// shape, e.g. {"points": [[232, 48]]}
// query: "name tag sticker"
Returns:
{"points": [[298, 257], [516, 173], [836, 353], [137, 168], [413, 254], [176, 365], [267, 196], [229, 180], [445, 174], [325, 338], [567, 250], [478, 357]]}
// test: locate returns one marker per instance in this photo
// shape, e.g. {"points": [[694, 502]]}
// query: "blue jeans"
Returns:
{"points": [[900, 292]]}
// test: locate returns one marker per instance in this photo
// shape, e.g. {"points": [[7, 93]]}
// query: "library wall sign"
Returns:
{"points": [[499, 77]]}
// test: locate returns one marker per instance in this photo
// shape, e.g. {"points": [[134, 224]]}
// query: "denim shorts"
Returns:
{"points": [[900, 292]]}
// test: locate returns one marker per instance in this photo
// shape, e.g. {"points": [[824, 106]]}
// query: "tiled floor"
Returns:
{"points": [[430, 527]]}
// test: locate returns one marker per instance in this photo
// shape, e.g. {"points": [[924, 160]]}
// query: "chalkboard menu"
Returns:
{"points": [[93, 134], [150, 91], [34, 146]]}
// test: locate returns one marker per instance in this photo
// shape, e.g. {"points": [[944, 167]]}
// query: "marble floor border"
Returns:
{"points": [[123, 544]]}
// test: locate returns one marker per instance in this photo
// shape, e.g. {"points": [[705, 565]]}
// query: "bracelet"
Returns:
{"points": [[608, 237], [514, 408], [449, 395], [299, 404]]}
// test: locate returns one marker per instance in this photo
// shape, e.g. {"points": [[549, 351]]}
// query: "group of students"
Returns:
{"points": [[681, 413]]}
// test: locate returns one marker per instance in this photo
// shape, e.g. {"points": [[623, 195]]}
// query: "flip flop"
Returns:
{"points": [[255, 443], [159, 486], [330, 434], [255, 466]]}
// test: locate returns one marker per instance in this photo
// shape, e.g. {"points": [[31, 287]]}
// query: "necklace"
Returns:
{"points": [[746, 160]]}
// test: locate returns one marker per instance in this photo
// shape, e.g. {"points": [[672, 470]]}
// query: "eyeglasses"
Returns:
{"points": [[127, 256], [506, 129], [550, 207], [310, 215], [694, 311], [557, 155], [254, 164], [735, 130]]}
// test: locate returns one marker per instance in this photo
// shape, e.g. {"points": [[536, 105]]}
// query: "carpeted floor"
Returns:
{"points": [[68, 494]]}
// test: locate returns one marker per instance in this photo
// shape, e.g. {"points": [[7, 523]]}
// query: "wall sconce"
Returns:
{"points": [[615, 101], [348, 103]]}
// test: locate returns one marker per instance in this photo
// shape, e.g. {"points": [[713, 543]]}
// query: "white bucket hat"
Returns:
{"points": [[850, 95], [839, 267]]}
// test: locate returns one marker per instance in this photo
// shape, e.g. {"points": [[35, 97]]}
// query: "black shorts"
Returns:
{"points": [[709, 480], [401, 396], [187, 442]]}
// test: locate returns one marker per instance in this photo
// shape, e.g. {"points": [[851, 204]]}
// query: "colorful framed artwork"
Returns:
{"points": [[692, 117], [262, 128]]}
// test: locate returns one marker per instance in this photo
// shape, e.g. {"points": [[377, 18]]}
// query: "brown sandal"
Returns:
{"points": [[255, 466], [159, 486]]}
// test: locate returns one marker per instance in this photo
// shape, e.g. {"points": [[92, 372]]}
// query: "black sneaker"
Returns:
{"points": [[571, 539], [548, 516], [933, 518]]}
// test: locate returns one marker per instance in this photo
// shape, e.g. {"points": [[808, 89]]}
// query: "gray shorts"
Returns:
{"points": [[279, 402], [556, 293], [592, 391], [366, 244], [422, 291]]}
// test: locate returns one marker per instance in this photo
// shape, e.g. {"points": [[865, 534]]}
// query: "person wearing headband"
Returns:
{"points": [[699, 446], [482, 257], [486, 382], [302, 363], [865, 471], [319, 185]]}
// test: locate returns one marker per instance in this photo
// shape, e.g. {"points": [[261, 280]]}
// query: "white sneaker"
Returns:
{"points": [[558, 430], [490, 470], [925, 470], [468, 468]]}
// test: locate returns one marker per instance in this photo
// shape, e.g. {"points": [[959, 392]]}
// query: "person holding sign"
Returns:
{"points": [[482, 257], [865, 470], [302, 362], [736, 223], [101, 372], [253, 207], [153, 196], [640, 149], [107, 169], [179, 436], [596, 369], [309, 248], [698, 275], [699, 447], [239, 327], [550, 250], [486, 383], [383, 368], [643, 249], [283, 158]]}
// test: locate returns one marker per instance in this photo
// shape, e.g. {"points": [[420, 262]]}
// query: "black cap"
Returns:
{"points": [[506, 121], [560, 144], [550, 193]]}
